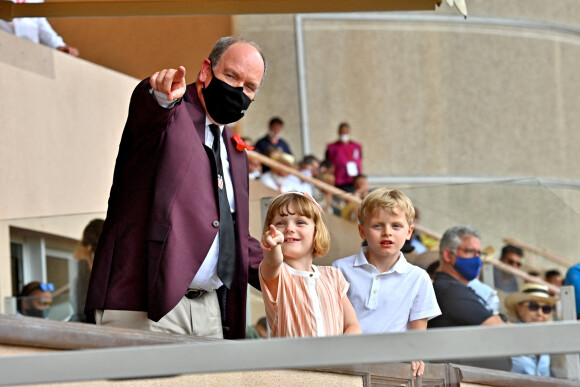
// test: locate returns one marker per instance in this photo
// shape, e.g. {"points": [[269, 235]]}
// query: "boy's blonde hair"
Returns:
{"points": [[387, 199], [303, 206]]}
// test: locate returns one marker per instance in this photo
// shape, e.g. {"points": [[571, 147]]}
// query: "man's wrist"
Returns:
{"points": [[162, 99]]}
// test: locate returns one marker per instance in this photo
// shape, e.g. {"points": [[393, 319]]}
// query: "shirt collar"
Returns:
{"points": [[361, 259], [208, 123], [301, 273], [401, 266]]}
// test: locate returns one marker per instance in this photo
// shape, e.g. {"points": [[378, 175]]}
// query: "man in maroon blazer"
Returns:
{"points": [[156, 265]]}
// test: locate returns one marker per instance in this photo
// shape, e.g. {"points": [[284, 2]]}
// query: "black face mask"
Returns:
{"points": [[225, 103], [33, 312]]}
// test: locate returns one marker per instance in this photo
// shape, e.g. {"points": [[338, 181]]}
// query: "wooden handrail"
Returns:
{"points": [[34, 332], [522, 274], [543, 252], [428, 232], [315, 182], [325, 187]]}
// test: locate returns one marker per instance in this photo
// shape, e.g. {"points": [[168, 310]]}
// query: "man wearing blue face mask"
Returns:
{"points": [[460, 262], [175, 254]]}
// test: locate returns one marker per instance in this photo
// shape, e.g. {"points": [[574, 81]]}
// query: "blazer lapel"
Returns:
{"points": [[196, 112], [238, 170]]}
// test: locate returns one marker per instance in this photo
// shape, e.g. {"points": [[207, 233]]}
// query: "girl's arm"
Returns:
{"points": [[273, 258], [351, 325], [421, 325]]}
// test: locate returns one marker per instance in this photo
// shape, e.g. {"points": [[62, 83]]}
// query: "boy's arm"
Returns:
{"points": [[351, 325], [420, 324], [273, 258]]}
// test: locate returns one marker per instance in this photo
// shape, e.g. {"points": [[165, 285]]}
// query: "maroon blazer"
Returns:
{"points": [[162, 207]]}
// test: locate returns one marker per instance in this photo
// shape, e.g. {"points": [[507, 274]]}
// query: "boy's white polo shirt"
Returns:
{"points": [[389, 301]]}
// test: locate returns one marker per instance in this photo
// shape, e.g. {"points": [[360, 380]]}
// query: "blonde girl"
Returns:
{"points": [[301, 299]]}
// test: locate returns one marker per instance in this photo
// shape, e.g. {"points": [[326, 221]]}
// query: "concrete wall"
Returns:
{"points": [[62, 119], [493, 95], [139, 46]]}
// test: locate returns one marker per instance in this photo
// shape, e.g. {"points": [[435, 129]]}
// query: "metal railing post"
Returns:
{"points": [[571, 360], [487, 274]]}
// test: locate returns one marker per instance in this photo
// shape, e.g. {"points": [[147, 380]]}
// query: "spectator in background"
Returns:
{"points": [[254, 166], [35, 299], [84, 253], [460, 262], [279, 179], [414, 246], [346, 156], [532, 304], [487, 294], [429, 242], [273, 141], [258, 331], [309, 167], [361, 186], [554, 277], [37, 30], [326, 172], [510, 255], [361, 190], [262, 327]]}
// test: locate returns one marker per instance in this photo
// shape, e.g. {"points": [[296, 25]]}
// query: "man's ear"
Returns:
{"points": [[446, 255], [205, 71]]}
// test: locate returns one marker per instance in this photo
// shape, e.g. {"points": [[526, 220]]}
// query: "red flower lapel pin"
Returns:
{"points": [[240, 145]]}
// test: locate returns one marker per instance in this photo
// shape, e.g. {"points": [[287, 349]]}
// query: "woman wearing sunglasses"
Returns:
{"points": [[532, 304]]}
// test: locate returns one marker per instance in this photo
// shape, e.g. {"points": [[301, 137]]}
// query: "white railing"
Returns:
{"points": [[225, 356]]}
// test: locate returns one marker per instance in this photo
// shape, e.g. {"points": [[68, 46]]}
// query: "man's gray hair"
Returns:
{"points": [[453, 236], [224, 43]]}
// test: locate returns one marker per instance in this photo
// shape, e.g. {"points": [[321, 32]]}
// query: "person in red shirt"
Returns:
{"points": [[346, 156]]}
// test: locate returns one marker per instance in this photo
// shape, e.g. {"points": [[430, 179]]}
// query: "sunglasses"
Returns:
{"points": [[47, 287], [534, 307]]}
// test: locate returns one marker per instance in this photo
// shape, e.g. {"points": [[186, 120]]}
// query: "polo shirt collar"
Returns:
{"points": [[401, 266]]}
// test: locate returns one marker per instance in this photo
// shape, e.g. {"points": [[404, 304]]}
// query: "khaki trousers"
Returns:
{"points": [[199, 317]]}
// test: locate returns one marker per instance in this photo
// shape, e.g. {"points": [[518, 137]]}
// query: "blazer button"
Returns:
{"points": [[216, 223]]}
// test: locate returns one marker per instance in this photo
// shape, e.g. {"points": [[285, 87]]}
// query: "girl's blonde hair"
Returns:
{"points": [[304, 206]]}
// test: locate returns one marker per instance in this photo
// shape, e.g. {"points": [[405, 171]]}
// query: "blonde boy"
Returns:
{"points": [[388, 293]]}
